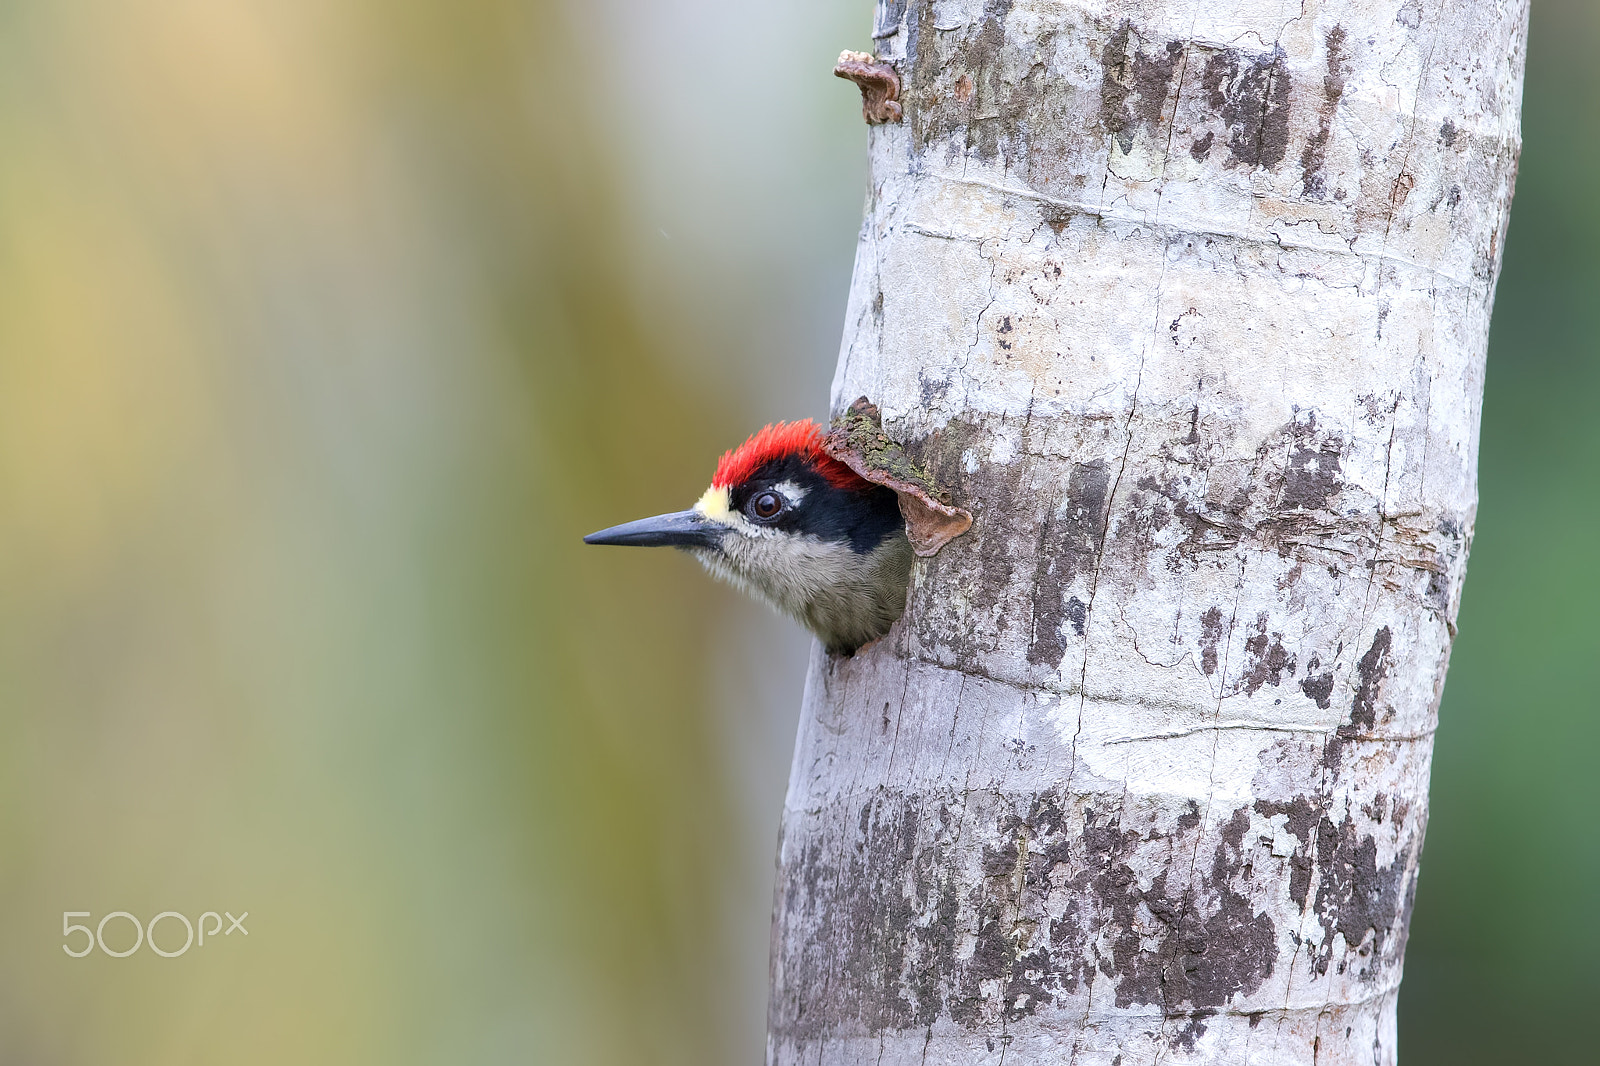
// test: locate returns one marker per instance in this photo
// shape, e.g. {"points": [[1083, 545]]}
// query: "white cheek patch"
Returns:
{"points": [[791, 492]]}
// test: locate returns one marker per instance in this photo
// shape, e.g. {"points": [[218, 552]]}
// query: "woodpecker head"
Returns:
{"points": [[795, 527]]}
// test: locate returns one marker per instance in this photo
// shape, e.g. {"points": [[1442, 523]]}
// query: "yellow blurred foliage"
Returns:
{"points": [[313, 369]]}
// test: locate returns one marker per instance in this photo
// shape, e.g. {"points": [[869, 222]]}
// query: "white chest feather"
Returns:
{"points": [[846, 598]]}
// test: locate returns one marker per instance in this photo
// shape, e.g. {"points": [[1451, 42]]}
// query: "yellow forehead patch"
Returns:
{"points": [[715, 505]]}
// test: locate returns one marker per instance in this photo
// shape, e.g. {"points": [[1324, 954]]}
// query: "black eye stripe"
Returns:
{"points": [[859, 518]]}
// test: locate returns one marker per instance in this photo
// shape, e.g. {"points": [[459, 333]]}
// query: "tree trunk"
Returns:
{"points": [[1188, 303]]}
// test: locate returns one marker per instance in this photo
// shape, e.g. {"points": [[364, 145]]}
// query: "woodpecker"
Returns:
{"points": [[791, 525]]}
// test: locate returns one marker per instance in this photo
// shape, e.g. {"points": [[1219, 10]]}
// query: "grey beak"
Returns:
{"points": [[682, 529]]}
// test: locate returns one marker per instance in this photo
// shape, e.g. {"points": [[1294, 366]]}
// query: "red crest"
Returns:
{"points": [[802, 439]]}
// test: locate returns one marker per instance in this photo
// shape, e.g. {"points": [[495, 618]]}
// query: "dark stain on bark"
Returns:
{"points": [[1266, 659], [1214, 944], [977, 89], [1248, 91], [1134, 85], [1313, 474], [1358, 898], [932, 388], [1077, 613], [1192, 1029], [1312, 159], [994, 100], [887, 926], [1302, 817], [1157, 502], [1068, 546], [1251, 93], [1372, 668], [1210, 636], [1319, 687]]}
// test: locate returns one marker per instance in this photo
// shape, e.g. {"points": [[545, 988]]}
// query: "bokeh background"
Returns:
{"points": [[326, 329]]}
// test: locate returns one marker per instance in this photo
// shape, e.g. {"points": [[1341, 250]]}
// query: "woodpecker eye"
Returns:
{"points": [[766, 505]]}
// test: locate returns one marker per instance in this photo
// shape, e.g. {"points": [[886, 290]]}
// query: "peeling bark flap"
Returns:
{"points": [[880, 86], [857, 440]]}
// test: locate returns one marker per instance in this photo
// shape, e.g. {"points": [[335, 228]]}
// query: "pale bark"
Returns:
{"points": [[1188, 302]]}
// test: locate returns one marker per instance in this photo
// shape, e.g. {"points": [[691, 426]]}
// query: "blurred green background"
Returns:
{"points": [[327, 328]]}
